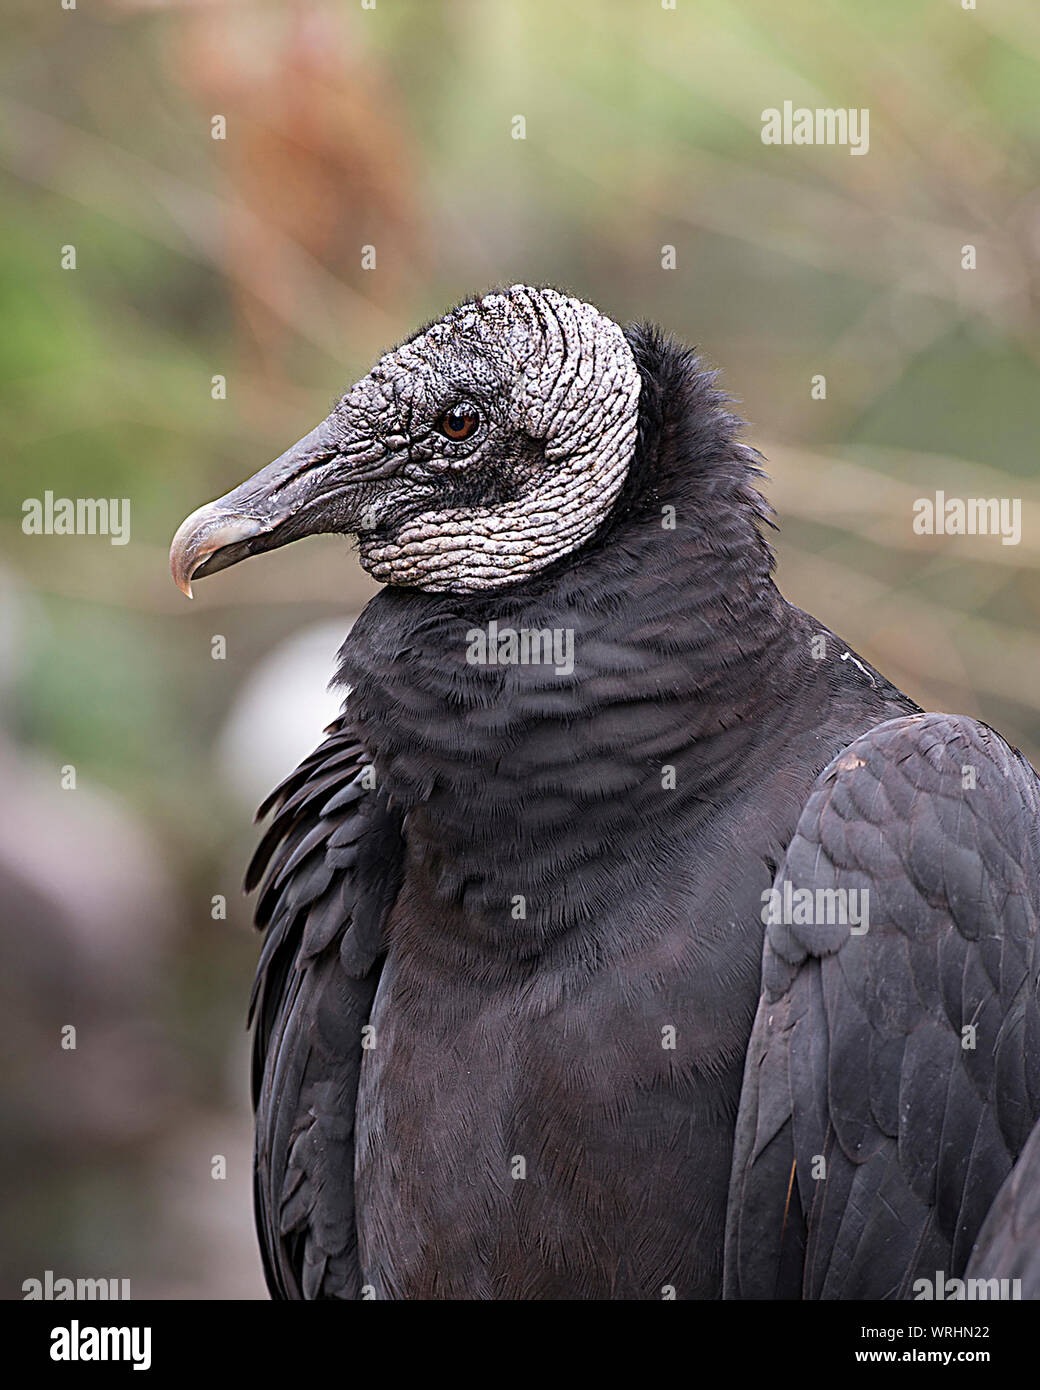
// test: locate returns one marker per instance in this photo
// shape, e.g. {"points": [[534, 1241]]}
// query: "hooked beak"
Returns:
{"points": [[311, 488]]}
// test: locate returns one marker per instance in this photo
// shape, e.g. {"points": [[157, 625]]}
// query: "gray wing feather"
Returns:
{"points": [[893, 1077], [331, 867]]}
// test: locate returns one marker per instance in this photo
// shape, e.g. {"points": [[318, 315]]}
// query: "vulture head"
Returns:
{"points": [[476, 453]]}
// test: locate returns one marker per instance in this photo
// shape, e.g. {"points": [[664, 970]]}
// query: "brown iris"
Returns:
{"points": [[459, 422]]}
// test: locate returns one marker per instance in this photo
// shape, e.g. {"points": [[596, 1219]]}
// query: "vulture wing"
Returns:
{"points": [[893, 1076], [1009, 1244], [331, 866]]}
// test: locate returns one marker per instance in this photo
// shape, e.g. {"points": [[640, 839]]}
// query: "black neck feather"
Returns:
{"points": [[685, 656]]}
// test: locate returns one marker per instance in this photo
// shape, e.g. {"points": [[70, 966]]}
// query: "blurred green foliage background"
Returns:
{"points": [[391, 127]]}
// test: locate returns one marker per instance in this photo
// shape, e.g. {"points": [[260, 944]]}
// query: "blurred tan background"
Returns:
{"points": [[391, 128]]}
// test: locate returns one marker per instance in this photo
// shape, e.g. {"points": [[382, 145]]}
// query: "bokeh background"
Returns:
{"points": [[392, 127]]}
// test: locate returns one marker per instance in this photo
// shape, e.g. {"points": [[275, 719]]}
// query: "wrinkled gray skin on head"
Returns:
{"points": [[556, 388]]}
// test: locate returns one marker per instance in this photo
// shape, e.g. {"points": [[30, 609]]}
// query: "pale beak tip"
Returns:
{"points": [[181, 577], [201, 535], [182, 566]]}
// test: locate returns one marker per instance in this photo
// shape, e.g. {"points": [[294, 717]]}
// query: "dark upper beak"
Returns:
{"points": [[311, 488]]}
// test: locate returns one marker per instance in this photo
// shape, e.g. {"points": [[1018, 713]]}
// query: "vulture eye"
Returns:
{"points": [[459, 422]]}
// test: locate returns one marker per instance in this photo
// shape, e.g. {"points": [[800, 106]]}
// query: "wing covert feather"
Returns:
{"points": [[901, 1064], [330, 866]]}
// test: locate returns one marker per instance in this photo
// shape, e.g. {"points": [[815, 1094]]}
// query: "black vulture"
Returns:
{"points": [[629, 936]]}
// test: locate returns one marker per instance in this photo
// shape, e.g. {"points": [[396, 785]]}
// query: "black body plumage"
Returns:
{"points": [[513, 968]]}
